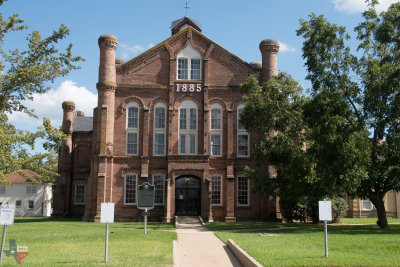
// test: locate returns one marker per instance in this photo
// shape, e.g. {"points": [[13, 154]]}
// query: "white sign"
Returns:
{"points": [[107, 212], [325, 210], [7, 214]]}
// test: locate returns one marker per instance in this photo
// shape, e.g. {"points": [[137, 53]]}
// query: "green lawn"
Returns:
{"points": [[365, 245], [68, 242], [367, 220]]}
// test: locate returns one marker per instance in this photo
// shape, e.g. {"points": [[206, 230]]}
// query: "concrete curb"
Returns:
{"points": [[175, 252], [245, 259], [202, 222]]}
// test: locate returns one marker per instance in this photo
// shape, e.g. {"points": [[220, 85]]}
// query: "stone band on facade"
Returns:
{"points": [[68, 106], [108, 40]]}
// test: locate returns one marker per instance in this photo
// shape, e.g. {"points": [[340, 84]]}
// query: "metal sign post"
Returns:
{"points": [[325, 214], [7, 213], [145, 200], [107, 216]]}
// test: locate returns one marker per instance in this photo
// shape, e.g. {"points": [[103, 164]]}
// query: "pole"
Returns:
{"points": [[145, 221], [106, 252], [2, 243], [326, 237]]}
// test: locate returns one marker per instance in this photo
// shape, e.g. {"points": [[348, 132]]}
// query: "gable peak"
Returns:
{"points": [[180, 24]]}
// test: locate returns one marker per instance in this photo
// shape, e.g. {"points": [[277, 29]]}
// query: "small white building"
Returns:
{"points": [[31, 199]]}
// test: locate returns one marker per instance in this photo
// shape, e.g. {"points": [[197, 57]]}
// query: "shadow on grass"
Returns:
{"points": [[44, 219]]}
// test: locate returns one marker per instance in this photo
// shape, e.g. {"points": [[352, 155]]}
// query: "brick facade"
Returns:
{"points": [[99, 158]]}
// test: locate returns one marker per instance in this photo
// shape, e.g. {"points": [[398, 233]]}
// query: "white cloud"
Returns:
{"points": [[354, 6], [286, 48], [49, 104]]}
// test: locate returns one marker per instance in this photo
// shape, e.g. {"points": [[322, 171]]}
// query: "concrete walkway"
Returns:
{"points": [[197, 246]]}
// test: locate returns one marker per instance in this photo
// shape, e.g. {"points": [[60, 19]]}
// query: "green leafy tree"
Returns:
{"points": [[24, 73], [356, 97]]}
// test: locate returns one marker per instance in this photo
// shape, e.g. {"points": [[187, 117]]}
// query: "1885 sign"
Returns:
{"points": [[187, 88]]}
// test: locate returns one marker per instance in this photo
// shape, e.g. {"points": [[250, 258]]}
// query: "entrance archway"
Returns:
{"points": [[187, 196]]}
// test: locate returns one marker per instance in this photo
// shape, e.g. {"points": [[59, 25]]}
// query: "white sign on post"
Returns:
{"points": [[107, 212], [7, 213], [325, 210]]}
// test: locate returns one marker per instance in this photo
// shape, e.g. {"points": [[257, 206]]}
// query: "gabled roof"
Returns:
{"points": [[178, 25], [21, 176], [83, 124]]}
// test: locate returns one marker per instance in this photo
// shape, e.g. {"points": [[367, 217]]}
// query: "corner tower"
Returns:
{"points": [[269, 49]]}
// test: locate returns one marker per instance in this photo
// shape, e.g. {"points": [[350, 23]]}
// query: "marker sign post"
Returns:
{"points": [[7, 213], [145, 200], [325, 214], [107, 216]]}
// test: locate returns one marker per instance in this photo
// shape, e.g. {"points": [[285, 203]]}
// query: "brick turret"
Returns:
{"points": [[269, 49]]}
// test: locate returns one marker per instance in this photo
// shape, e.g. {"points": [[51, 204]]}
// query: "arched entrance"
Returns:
{"points": [[187, 196]]}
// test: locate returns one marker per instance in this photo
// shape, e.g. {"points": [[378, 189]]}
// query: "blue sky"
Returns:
{"points": [[238, 26]]}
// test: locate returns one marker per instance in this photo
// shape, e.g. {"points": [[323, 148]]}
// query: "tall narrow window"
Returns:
{"points": [[243, 137], [216, 130], [80, 194], [216, 190], [188, 128], [159, 129], [30, 204], [158, 182], [189, 64], [132, 129], [130, 189], [243, 196]]}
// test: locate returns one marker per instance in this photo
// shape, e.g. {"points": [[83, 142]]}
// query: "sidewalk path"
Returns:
{"points": [[197, 246]]}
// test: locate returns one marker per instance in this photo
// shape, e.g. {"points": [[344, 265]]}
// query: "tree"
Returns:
{"points": [[22, 74], [360, 97]]}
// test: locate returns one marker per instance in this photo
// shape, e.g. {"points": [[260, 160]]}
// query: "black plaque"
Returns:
{"points": [[145, 196]]}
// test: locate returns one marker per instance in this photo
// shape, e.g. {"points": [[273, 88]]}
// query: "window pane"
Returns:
{"points": [[192, 144], [195, 69], [240, 126], [215, 190], [243, 144], [159, 118], [182, 69], [216, 119], [158, 181], [79, 194], [133, 115], [193, 118], [130, 188], [367, 204], [215, 144], [131, 144], [159, 140], [30, 204], [182, 119], [182, 142], [242, 191]]}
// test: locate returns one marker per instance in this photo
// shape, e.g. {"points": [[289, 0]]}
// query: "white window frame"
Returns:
{"points": [[237, 192], [220, 189], [188, 54], [84, 194], [163, 189], [31, 189], [241, 131], [216, 130], [132, 130], [33, 204], [366, 201], [187, 132], [2, 189], [18, 203], [159, 130], [135, 188]]}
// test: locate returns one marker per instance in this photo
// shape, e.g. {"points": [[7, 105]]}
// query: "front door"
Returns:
{"points": [[187, 196]]}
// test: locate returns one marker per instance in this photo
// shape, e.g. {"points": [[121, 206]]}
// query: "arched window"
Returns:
{"points": [[132, 129], [243, 137], [216, 130], [187, 127], [189, 64], [159, 130]]}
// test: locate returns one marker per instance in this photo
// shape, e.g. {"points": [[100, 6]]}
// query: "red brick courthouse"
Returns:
{"points": [[169, 116]]}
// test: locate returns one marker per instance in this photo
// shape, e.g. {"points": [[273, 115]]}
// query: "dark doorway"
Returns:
{"points": [[187, 196]]}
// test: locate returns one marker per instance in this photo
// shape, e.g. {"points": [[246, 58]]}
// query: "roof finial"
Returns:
{"points": [[186, 7]]}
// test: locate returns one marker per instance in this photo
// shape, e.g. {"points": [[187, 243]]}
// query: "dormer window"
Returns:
{"points": [[189, 64]]}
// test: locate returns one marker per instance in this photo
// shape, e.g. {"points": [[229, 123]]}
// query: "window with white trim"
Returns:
{"points": [[216, 190], [31, 189], [367, 204], [18, 203], [158, 182], [243, 191], [243, 137], [30, 204], [132, 129], [187, 128], [130, 185], [80, 190], [216, 130], [189, 64], [159, 131]]}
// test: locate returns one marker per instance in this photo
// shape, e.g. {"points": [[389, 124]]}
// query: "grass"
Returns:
{"points": [[367, 220], [70, 242], [365, 245]]}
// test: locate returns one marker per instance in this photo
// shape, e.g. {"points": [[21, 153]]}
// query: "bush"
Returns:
{"points": [[339, 207]]}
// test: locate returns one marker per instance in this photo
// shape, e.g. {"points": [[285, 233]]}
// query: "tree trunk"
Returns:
{"points": [[380, 208]]}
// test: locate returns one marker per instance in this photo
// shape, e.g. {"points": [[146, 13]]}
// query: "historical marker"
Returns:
{"points": [[145, 196]]}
